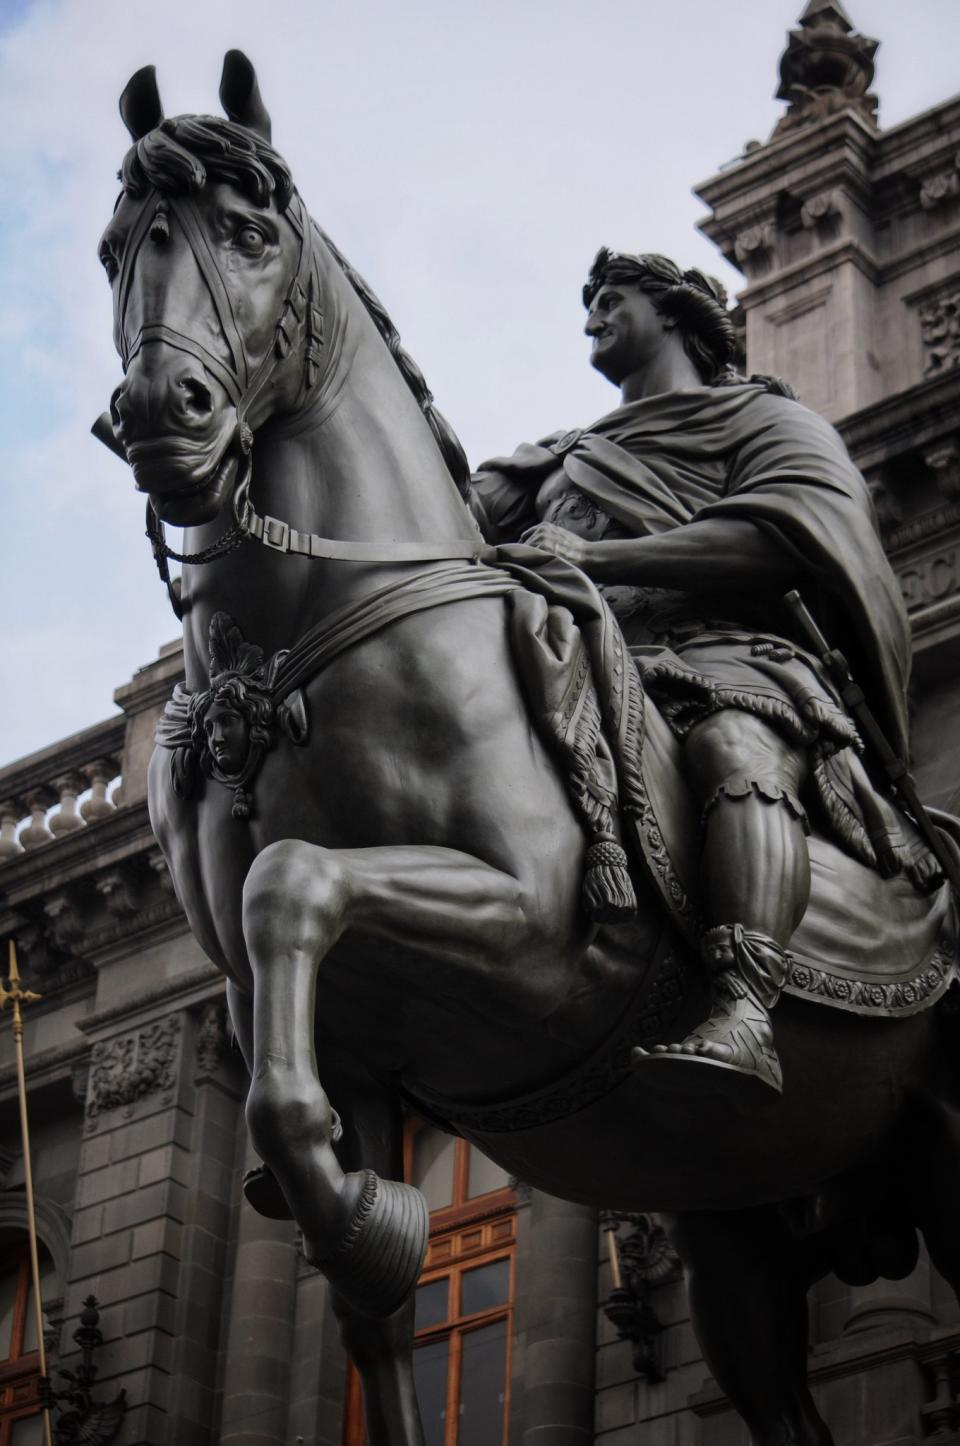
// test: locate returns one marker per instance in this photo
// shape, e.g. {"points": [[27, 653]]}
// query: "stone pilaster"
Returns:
{"points": [[260, 1334], [559, 1350]]}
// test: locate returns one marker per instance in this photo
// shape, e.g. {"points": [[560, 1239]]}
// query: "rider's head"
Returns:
{"points": [[685, 301]]}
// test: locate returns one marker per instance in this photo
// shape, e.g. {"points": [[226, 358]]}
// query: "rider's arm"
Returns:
{"points": [[713, 554]]}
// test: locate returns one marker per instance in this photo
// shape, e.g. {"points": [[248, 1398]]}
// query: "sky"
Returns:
{"points": [[469, 160]]}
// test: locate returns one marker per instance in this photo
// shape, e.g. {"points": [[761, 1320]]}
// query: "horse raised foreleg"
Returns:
{"points": [[452, 913], [367, 1235], [748, 1300], [381, 1350]]}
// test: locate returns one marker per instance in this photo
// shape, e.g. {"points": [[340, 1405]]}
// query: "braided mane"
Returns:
{"points": [[184, 152]]}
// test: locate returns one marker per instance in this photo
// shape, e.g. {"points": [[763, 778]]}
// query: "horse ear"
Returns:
{"points": [[240, 94], [140, 103]]}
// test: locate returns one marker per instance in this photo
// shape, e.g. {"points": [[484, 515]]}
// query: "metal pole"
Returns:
{"points": [[17, 996]]}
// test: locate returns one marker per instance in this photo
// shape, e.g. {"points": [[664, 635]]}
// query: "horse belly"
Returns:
{"points": [[685, 1136]]}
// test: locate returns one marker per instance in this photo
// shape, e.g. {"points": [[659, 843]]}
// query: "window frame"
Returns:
{"points": [[20, 1371], [448, 1256]]}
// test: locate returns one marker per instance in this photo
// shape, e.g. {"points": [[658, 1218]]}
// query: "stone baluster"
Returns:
{"points": [[38, 800], [99, 774], [10, 815], [66, 818]]}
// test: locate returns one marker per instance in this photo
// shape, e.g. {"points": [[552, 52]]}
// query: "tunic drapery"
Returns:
{"points": [[737, 452]]}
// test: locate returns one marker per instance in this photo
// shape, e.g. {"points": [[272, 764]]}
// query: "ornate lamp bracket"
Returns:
{"points": [[639, 1260], [79, 1417]]}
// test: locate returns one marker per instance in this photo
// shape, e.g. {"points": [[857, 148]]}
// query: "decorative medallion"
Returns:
{"points": [[225, 730]]}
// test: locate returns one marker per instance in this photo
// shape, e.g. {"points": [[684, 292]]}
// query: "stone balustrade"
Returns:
{"points": [[68, 786]]}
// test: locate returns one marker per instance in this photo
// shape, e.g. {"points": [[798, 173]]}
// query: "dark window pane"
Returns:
{"points": [[8, 1301], [433, 1303], [484, 1287], [28, 1431], [483, 1385], [48, 1287], [483, 1175], [430, 1374], [433, 1167]]}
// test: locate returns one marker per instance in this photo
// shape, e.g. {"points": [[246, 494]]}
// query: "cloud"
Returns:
{"points": [[469, 159]]}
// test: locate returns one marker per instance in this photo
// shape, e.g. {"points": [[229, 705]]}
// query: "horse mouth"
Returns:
{"points": [[188, 484]]}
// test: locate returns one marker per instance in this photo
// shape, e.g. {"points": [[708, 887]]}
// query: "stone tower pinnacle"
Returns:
{"points": [[826, 67]]}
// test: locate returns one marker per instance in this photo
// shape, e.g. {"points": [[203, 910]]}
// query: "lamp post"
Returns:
{"points": [[14, 994]]}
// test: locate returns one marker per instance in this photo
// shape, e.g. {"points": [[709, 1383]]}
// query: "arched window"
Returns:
{"points": [[20, 1421], [464, 1298]]}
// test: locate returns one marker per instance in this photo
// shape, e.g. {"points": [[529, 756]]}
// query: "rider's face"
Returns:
{"points": [[626, 330]]}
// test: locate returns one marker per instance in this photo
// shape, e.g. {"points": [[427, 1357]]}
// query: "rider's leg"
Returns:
{"points": [[756, 869], [748, 1301]]}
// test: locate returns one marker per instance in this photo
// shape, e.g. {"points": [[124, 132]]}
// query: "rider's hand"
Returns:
{"points": [[560, 542]]}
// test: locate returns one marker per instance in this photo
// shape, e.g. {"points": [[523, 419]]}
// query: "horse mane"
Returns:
{"points": [[184, 152]]}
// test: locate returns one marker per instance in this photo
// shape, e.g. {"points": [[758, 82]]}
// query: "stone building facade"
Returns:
{"points": [[848, 237]]}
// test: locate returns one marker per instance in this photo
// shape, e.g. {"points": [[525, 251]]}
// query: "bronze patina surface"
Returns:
{"points": [[445, 841]]}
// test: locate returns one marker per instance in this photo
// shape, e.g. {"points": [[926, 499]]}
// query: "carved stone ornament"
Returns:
{"points": [[225, 730], [815, 210], [940, 328], [941, 187], [212, 1041], [132, 1067], [755, 245], [826, 67]]}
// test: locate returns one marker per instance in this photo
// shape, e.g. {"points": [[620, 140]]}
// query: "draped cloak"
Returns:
{"points": [[742, 452]]}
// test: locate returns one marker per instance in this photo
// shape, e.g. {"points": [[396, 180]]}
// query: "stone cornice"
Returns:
{"points": [[904, 422], [203, 982], [820, 264], [772, 164], [45, 1067], [153, 684]]}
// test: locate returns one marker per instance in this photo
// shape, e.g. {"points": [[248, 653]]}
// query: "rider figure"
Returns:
{"points": [[695, 506]]}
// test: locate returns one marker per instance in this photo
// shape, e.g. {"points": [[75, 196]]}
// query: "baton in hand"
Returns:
{"points": [[838, 670]]}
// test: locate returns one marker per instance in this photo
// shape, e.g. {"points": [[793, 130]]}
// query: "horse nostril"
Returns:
{"points": [[198, 395], [115, 416]]}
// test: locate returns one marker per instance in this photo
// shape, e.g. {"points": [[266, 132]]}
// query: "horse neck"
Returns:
{"points": [[360, 463]]}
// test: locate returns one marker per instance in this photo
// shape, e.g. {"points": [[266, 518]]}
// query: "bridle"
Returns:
{"points": [[300, 321]]}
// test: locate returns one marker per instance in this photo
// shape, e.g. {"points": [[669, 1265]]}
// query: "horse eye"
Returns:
{"points": [[251, 240]]}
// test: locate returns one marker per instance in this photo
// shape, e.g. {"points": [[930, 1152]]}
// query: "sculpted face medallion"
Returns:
{"points": [[224, 731]]}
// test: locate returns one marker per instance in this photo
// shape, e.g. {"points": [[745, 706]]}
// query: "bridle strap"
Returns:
{"points": [[279, 536]]}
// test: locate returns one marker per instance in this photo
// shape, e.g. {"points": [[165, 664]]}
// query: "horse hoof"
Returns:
{"points": [[262, 1190], [378, 1261]]}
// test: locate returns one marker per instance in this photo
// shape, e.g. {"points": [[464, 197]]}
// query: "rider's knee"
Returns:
{"points": [[737, 751]]}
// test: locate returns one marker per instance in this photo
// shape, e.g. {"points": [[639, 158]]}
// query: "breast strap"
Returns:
{"points": [[351, 624]]}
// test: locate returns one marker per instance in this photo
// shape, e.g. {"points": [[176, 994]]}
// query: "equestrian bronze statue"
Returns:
{"points": [[528, 825]]}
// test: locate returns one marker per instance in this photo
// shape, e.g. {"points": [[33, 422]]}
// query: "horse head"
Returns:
{"points": [[211, 258]]}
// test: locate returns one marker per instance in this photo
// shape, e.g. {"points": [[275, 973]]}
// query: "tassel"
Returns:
{"points": [[241, 803], [607, 894]]}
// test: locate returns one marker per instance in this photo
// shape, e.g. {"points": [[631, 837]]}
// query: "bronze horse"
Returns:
{"points": [[374, 843]]}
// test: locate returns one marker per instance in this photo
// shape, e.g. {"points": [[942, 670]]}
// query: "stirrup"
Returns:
{"points": [[377, 1263]]}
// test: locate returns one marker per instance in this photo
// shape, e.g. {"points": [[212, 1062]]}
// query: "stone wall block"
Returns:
{"points": [[559, 1324]]}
